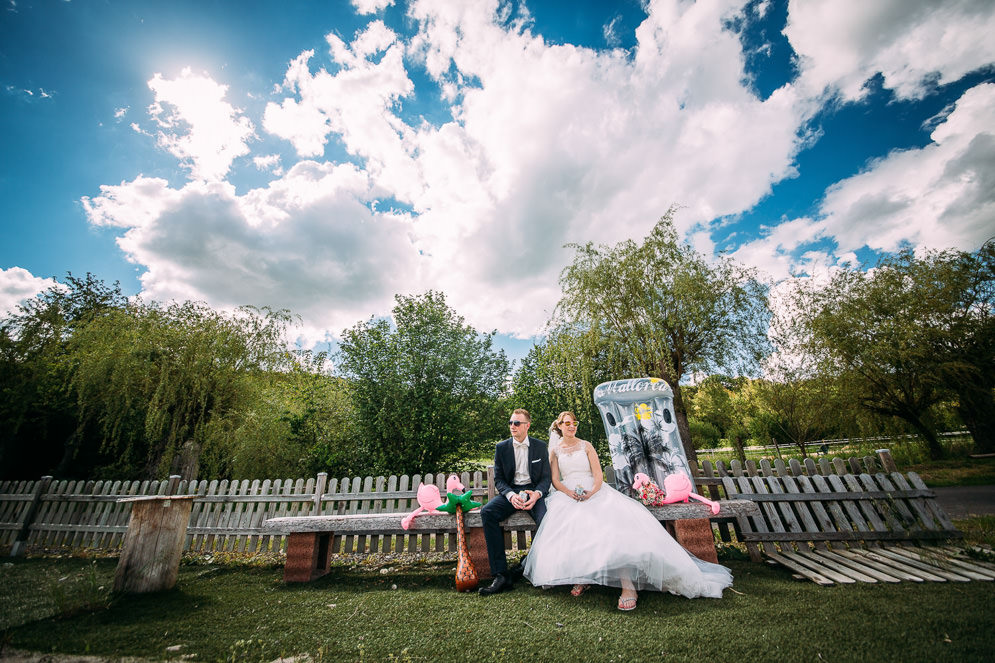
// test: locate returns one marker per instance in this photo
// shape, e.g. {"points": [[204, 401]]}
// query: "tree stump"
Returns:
{"points": [[150, 557]]}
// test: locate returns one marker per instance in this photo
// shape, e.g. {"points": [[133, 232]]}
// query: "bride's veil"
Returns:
{"points": [[554, 436]]}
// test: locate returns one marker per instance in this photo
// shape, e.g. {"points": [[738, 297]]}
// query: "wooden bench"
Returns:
{"points": [[860, 526], [310, 539]]}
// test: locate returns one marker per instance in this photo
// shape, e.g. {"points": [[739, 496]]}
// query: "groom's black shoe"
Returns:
{"points": [[517, 571], [502, 583]]}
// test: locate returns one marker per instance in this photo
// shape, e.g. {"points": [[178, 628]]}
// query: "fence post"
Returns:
{"points": [[491, 489], [887, 462], [319, 490], [174, 480], [29, 515]]}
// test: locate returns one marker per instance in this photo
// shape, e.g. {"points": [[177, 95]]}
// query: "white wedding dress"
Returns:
{"points": [[610, 536]]}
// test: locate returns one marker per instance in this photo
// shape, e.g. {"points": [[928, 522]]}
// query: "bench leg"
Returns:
{"points": [[308, 556], [696, 537]]}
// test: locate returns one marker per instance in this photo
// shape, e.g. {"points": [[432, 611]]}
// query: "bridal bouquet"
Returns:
{"points": [[650, 494]]}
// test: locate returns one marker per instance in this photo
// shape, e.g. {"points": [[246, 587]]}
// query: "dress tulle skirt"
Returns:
{"points": [[609, 537]]}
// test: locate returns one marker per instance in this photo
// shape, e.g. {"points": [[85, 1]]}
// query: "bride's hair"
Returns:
{"points": [[555, 434]]}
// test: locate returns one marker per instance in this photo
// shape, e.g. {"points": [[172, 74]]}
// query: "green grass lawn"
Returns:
{"points": [[411, 612]]}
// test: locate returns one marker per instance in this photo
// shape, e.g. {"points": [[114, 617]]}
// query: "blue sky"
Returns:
{"points": [[325, 156]]}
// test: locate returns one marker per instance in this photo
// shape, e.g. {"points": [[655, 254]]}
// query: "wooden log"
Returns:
{"points": [[150, 560]]}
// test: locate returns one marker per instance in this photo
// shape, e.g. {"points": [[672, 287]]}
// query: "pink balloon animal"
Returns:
{"points": [[453, 484], [428, 498], [678, 488]]}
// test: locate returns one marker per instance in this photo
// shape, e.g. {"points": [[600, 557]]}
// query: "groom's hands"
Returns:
{"points": [[519, 503]]}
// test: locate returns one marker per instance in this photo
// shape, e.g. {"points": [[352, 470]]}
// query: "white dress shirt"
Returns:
{"points": [[522, 475]]}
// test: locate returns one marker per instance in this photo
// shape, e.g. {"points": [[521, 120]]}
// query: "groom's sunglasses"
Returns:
{"points": [[516, 423]]}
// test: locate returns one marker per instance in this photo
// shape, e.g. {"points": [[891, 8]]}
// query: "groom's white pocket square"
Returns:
{"points": [[537, 460]]}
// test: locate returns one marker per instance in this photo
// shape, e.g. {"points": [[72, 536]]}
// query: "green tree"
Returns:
{"points": [[904, 334], [961, 331], [559, 373], [712, 404], [300, 421], [667, 309], [163, 385], [426, 389], [38, 414]]}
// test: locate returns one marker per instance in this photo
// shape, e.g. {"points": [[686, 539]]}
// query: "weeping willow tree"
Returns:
{"points": [[162, 384], [666, 310], [559, 373]]}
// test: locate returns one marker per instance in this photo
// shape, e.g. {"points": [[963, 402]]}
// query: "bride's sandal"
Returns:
{"points": [[577, 590], [625, 604]]}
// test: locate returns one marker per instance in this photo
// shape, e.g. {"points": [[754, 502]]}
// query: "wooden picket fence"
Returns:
{"points": [[228, 515]]}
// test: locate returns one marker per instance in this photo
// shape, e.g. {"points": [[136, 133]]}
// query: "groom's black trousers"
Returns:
{"points": [[493, 513]]}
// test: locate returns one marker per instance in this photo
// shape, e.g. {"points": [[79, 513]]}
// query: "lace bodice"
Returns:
{"points": [[575, 468]]}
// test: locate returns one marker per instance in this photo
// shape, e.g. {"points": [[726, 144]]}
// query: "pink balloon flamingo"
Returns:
{"points": [[678, 488], [428, 498]]}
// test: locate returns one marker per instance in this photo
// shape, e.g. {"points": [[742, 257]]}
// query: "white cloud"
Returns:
{"points": [[120, 112], [935, 197], [939, 196], [269, 162], [544, 144], [18, 285], [841, 44], [306, 242], [196, 124], [371, 6]]}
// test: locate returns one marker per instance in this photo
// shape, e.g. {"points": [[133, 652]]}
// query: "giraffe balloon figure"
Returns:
{"points": [[466, 572]]}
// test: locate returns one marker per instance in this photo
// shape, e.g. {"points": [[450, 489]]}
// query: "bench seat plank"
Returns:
{"points": [[390, 523]]}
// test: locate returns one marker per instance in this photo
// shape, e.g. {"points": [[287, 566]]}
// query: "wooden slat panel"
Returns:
{"points": [[391, 542], [813, 566], [866, 508], [805, 514], [895, 571], [352, 508], [923, 572], [788, 517], [260, 514], [411, 540], [840, 519], [859, 567], [940, 560], [363, 506], [933, 535], [715, 494], [377, 541], [893, 553], [883, 507], [740, 486], [105, 514], [931, 507], [122, 513], [839, 565], [854, 514], [773, 518]]}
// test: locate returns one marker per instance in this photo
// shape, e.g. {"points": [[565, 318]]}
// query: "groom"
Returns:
{"points": [[521, 465]]}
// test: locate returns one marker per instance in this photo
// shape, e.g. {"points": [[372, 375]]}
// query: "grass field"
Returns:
{"points": [[411, 612]]}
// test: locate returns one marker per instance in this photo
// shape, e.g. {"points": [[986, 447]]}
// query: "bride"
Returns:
{"points": [[595, 535]]}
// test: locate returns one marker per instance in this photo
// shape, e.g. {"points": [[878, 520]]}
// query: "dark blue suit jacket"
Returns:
{"points": [[504, 466]]}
